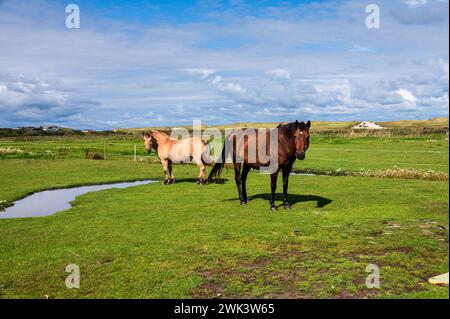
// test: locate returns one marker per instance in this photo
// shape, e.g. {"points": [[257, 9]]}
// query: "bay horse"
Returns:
{"points": [[170, 150], [293, 142]]}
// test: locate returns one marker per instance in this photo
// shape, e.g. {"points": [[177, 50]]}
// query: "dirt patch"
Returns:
{"points": [[211, 287], [285, 274], [437, 207], [104, 261], [433, 229]]}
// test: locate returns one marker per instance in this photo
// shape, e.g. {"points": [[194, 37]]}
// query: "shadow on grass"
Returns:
{"points": [[194, 181], [293, 199], [218, 181]]}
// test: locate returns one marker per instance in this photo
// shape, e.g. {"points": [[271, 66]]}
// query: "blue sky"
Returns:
{"points": [[144, 63]]}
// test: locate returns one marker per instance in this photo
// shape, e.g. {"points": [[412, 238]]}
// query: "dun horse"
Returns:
{"points": [[293, 142], [170, 150]]}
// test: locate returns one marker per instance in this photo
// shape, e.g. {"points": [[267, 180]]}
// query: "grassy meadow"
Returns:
{"points": [[192, 241]]}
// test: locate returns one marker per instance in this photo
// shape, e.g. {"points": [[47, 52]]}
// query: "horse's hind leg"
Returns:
{"points": [[201, 177], [171, 176], [165, 164]]}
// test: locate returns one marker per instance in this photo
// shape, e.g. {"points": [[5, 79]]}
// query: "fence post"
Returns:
{"points": [[104, 150], [135, 152]]}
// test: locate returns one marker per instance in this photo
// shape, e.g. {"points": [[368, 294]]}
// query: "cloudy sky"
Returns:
{"points": [[144, 63]]}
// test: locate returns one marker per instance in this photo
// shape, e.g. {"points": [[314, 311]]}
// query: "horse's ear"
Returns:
{"points": [[308, 125]]}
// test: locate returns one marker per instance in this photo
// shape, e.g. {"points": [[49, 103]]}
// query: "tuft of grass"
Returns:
{"points": [[3, 204], [408, 173], [10, 150]]}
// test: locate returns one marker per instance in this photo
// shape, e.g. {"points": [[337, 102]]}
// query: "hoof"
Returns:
{"points": [[273, 208], [198, 180], [244, 202], [166, 182], [287, 206], [172, 181]]}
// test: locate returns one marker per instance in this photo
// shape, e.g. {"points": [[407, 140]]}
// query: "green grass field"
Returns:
{"points": [[191, 241]]}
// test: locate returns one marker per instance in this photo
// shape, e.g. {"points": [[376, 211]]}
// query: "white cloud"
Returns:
{"points": [[279, 73], [415, 3], [407, 96], [359, 48], [204, 73], [422, 12], [36, 101], [234, 90]]}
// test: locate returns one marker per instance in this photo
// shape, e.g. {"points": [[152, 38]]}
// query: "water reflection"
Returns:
{"points": [[52, 201]]}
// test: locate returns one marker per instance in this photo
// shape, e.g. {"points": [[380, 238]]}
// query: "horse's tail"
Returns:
{"points": [[217, 168]]}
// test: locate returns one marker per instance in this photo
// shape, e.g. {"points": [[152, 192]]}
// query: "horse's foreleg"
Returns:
{"points": [[165, 164], [286, 172], [237, 178], [171, 176], [245, 170], [273, 187]]}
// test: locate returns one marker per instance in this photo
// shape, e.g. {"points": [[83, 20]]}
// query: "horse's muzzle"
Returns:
{"points": [[149, 150], [300, 155]]}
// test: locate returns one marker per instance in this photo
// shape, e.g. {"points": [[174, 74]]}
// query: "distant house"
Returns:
{"points": [[50, 128], [368, 126], [28, 128]]}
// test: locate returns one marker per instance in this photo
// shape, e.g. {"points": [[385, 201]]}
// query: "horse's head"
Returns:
{"points": [[148, 141], [301, 135]]}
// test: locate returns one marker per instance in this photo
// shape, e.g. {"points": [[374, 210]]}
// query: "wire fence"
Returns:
{"points": [[104, 151]]}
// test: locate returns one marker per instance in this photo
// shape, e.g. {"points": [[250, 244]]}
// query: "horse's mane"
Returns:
{"points": [[160, 132], [164, 132], [290, 126], [293, 125]]}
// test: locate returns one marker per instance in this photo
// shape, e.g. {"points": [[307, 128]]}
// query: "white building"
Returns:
{"points": [[368, 126]]}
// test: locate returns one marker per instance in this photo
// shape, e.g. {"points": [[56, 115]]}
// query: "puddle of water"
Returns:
{"points": [[52, 201], [304, 174]]}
